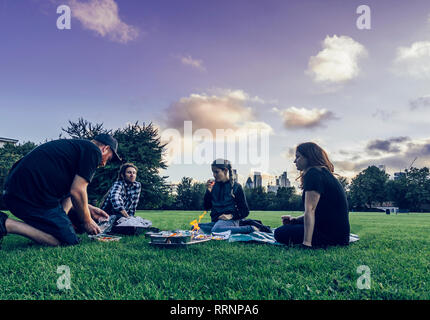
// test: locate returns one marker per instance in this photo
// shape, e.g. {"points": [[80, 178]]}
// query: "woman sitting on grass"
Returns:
{"points": [[123, 196], [325, 220], [226, 200]]}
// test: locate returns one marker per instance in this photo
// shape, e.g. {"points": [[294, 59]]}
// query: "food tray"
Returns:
{"points": [[176, 239]]}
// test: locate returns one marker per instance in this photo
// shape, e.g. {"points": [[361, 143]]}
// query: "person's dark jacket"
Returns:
{"points": [[223, 201]]}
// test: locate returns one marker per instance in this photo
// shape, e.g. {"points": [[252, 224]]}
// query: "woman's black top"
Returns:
{"points": [[223, 201], [331, 214]]}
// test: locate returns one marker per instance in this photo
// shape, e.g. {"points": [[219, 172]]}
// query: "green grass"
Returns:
{"points": [[394, 247]]}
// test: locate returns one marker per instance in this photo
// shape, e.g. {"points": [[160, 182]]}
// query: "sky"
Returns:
{"points": [[272, 74]]}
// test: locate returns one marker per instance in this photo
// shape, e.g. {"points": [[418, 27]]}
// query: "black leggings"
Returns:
{"points": [[294, 234], [290, 234]]}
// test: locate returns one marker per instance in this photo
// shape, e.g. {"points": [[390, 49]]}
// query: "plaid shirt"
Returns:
{"points": [[123, 196]]}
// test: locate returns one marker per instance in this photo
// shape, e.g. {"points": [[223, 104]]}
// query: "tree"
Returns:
{"points": [[184, 197], [256, 198], [368, 187], [283, 197], [396, 192], [418, 187], [83, 129], [198, 191]]}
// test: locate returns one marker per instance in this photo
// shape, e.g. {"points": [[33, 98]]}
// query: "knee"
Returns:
{"points": [[282, 234], [216, 228], [220, 227], [68, 239], [277, 234]]}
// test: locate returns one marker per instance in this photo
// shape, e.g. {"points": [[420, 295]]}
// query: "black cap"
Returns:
{"points": [[110, 141]]}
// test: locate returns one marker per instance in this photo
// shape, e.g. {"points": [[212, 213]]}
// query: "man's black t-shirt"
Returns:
{"points": [[331, 214], [44, 176]]}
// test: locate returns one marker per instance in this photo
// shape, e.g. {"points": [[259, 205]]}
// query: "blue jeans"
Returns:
{"points": [[225, 225]]}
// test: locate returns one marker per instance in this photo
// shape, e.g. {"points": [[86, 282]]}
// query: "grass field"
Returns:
{"points": [[395, 248]]}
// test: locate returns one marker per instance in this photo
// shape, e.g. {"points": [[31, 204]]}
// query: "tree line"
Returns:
{"points": [[140, 144]]}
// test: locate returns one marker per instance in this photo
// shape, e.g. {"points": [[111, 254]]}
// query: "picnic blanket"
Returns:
{"points": [[265, 237]]}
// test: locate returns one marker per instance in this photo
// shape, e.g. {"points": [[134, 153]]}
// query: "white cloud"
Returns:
{"points": [[102, 17], [297, 118], [223, 111], [189, 61], [414, 60], [237, 95], [338, 61]]}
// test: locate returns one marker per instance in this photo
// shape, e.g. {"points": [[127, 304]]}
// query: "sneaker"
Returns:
{"points": [[3, 218], [3, 231]]}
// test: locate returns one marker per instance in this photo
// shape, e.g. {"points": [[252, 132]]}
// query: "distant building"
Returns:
{"points": [[3, 141], [284, 182], [249, 184], [258, 181], [399, 175]]}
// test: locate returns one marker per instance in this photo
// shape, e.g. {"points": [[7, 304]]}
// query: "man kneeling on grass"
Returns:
{"points": [[48, 182]]}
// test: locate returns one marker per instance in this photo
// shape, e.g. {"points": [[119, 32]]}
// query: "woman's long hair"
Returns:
{"points": [[225, 164], [315, 156]]}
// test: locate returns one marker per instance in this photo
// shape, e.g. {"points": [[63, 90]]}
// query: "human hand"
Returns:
{"points": [[209, 184], [287, 219], [124, 213], [225, 217], [91, 227], [98, 214]]}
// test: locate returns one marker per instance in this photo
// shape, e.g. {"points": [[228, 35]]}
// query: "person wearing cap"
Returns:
{"points": [[48, 182]]}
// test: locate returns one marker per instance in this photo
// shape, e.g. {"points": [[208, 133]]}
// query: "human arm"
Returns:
{"points": [[116, 197], [79, 199], [311, 202], [97, 213]]}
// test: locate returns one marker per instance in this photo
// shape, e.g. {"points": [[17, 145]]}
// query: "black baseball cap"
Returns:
{"points": [[110, 141]]}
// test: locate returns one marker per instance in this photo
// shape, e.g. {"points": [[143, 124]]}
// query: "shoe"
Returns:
{"points": [[3, 231], [3, 218]]}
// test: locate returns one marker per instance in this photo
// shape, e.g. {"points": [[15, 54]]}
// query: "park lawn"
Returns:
{"points": [[395, 248]]}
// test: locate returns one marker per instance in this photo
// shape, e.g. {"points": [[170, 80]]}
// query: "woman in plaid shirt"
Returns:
{"points": [[123, 196]]}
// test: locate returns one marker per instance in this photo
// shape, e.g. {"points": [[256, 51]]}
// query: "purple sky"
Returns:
{"points": [[195, 49]]}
